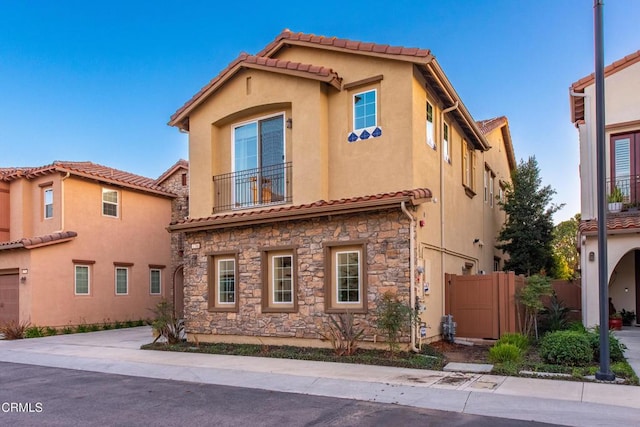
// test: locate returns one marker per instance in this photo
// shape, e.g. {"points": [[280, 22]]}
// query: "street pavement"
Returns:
{"points": [[544, 400]]}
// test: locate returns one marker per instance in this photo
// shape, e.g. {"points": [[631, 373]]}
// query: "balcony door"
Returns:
{"points": [[625, 165], [258, 158]]}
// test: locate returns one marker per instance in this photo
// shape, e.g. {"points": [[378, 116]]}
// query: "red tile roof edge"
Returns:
{"points": [[245, 60], [344, 44], [321, 207], [616, 223], [91, 170], [488, 125], [38, 241]]}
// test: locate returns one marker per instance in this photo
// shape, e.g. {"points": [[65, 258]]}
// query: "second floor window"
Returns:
{"points": [[109, 202], [48, 203], [365, 110], [445, 142], [431, 134]]}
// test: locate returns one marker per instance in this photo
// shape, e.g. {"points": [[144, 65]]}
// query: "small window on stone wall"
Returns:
{"points": [[279, 280], [345, 277], [223, 281]]}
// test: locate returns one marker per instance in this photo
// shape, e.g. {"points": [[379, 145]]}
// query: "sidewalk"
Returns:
{"points": [[551, 401]]}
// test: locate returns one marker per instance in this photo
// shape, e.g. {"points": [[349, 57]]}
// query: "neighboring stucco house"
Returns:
{"points": [[83, 243], [622, 128], [324, 172]]}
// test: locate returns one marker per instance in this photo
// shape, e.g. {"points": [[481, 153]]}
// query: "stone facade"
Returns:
{"points": [[385, 232]]}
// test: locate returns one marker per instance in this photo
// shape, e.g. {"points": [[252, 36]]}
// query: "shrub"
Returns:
{"points": [[501, 353], [343, 334], [554, 316], [117, 325], [569, 348], [13, 330], [393, 317], [166, 324], [81, 328], [49, 331], [67, 330], [94, 327], [616, 348], [519, 340], [106, 326], [34, 332]]}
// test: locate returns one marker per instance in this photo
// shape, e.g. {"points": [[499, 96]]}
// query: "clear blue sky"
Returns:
{"points": [[98, 80]]}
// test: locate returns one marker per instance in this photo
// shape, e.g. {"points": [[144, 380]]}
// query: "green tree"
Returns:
{"points": [[566, 259], [527, 233]]}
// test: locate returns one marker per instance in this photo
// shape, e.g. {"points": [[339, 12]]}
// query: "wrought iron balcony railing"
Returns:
{"points": [[629, 185], [252, 187]]}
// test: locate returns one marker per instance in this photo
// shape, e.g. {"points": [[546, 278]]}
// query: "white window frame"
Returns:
{"points": [[219, 270], [375, 91], [257, 121], [75, 279], [110, 203], [126, 270], [48, 192], [491, 187], [430, 127], [273, 280], [446, 137], [151, 271], [337, 277], [486, 185]]}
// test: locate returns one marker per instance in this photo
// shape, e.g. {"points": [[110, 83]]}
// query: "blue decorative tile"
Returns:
{"points": [[365, 134], [377, 132], [352, 137]]}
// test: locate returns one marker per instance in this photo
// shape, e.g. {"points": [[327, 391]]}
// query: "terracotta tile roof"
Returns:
{"points": [[616, 223], [92, 171], [180, 164], [577, 102], [319, 208], [398, 52], [245, 60], [488, 125], [35, 242]]}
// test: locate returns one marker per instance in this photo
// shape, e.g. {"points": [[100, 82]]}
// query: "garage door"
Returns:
{"points": [[9, 298]]}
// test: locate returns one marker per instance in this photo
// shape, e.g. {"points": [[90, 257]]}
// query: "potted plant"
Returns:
{"points": [[627, 317], [615, 199], [615, 321]]}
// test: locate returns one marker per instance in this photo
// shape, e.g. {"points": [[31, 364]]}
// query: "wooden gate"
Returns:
{"points": [[9, 295], [483, 306]]}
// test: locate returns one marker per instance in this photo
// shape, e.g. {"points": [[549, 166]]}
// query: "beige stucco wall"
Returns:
{"points": [[326, 166]]}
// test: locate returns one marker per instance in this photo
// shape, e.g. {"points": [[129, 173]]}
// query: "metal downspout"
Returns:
{"points": [[412, 273]]}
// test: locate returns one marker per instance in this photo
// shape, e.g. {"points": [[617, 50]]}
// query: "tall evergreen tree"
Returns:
{"points": [[527, 233]]}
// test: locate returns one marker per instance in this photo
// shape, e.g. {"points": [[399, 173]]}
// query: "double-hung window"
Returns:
{"points": [[365, 110], [48, 203], [345, 281], [279, 279], [122, 280], [109, 202], [258, 162], [82, 279], [431, 133], [155, 281], [445, 142], [223, 282], [468, 168]]}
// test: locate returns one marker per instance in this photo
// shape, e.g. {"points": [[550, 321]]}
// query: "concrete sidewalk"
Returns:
{"points": [[551, 401]]}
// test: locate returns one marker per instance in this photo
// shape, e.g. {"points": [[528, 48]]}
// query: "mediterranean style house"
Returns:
{"points": [[325, 172], [82, 243], [622, 129]]}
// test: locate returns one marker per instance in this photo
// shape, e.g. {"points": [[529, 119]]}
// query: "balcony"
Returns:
{"points": [[269, 185], [629, 185]]}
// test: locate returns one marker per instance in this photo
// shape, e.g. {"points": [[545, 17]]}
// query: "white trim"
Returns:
{"points": [[235, 282], [446, 142], [353, 110], [75, 279], [116, 279], [44, 199], [159, 281], [273, 280], [337, 286], [256, 120], [117, 203], [431, 144]]}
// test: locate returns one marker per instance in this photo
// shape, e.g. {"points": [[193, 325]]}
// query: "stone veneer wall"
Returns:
{"points": [[387, 236]]}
